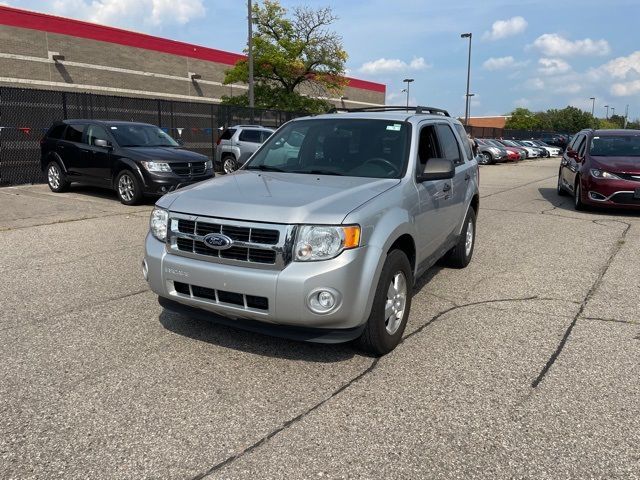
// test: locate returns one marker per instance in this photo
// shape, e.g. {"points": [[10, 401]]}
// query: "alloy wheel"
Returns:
{"points": [[396, 302], [229, 165], [53, 176], [468, 243], [126, 187]]}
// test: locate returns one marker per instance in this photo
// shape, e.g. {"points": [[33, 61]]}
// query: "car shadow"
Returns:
{"points": [[255, 343], [105, 193], [566, 203]]}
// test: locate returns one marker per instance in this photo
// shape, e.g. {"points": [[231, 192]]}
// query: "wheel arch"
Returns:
{"points": [[126, 164]]}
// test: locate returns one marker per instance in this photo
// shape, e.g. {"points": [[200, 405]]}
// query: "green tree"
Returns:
{"points": [[523, 119], [570, 119], [297, 60]]}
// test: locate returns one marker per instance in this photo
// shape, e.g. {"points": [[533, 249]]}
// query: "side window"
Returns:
{"points": [[252, 136], [579, 143], [466, 144], [264, 135], [227, 134], [449, 148], [574, 143], [74, 133], [427, 147], [583, 147], [56, 132], [94, 132]]}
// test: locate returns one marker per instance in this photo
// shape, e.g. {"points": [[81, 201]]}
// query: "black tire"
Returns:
{"points": [[56, 178], [130, 192], [485, 158], [229, 164], [460, 256], [376, 339], [577, 196], [559, 188]]}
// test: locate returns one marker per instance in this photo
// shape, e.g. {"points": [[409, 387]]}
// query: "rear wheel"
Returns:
{"points": [[128, 188], [391, 305], [229, 164], [560, 188], [56, 179], [460, 255], [485, 158]]}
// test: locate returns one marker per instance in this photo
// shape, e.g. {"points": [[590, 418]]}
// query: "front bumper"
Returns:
{"points": [[161, 183], [353, 274], [612, 193]]}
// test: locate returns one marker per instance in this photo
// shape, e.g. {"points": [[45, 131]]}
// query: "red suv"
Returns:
{"points": [[602, 167]]}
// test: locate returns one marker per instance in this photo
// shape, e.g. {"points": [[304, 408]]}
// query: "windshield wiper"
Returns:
{"points": [[318, 172], [264, 168]]}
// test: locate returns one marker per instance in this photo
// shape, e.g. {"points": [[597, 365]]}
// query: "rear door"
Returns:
{"points": [[249, 140], [570, 166], [69, 150], [97, 161], [466, 172]]}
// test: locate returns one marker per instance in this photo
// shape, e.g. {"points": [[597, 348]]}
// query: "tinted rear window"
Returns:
{"points": [[56, 132], [74, 133], [616, 146], [228, 133], [252, 136]]}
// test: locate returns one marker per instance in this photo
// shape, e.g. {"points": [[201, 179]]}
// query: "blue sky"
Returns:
{"points": [[538, 54]]}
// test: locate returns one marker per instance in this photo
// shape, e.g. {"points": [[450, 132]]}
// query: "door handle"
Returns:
{"points": [[446, 187], [467, 177]]}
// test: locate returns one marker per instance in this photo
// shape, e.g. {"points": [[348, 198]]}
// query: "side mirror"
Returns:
{"points": [[572, 154], [437, 169], [98, 142]]}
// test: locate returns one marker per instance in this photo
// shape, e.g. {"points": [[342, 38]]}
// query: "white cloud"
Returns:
{"points": [[621, 75], [500, 63], [553, 66], [390, 65], [534, 84], [555, 45], [154, 13], [522, 102], [506, 28], [625, 89], [399, 98], [567, 88]]}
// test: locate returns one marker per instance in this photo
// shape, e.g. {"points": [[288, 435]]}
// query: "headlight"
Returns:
{"points": [[208, 164], [158, 223], [602, 174], [322, 242], [156, 167]]}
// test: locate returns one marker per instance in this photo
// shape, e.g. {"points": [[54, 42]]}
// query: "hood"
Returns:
{"points": [[617, 164], [277, 197], [166, 154]]}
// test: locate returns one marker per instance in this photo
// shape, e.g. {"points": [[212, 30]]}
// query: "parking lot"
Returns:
{"points": [[525, 364]]}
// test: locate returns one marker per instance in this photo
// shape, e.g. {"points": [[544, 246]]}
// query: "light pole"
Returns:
{"points": [[593, 104], [469, 95], [250, 47], [466, 106], [607, 107], [408, 82], [613, 111]]}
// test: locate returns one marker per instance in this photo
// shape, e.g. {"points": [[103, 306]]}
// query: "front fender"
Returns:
{"points": [[128, 164]]}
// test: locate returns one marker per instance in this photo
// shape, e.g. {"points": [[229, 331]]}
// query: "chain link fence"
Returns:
{"points": [[26, 114]]}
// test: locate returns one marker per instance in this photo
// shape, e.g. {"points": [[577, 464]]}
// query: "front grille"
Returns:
{"points": [[189, 169], [222, 296], [625, 198], [252, 245], [635, 177]]}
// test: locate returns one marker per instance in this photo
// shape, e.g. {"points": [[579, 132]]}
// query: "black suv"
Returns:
{"points": [[134, 159]]}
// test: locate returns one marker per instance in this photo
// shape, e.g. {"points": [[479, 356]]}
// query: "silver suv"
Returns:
{"points": [[237, 144], [321, 234]]}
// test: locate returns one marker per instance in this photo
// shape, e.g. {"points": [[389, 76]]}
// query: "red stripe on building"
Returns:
{"points": [[76, 28]]}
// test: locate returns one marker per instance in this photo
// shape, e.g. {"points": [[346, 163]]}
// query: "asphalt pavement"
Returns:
{"points": [[526, 364]]}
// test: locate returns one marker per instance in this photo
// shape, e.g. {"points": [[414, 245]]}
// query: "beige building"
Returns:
{"points": [[47, 52]]}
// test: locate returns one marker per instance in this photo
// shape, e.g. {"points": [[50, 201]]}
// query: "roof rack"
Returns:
{"points": [[392, 108]]}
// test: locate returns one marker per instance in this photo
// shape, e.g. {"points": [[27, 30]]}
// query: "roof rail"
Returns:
{"points": [[392, 108]]}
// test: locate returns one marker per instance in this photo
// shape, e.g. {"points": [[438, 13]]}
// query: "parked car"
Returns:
{"points": [[557, 140], [539, 152], [514, 154], [528, 151], [490, 153], [550, 149], [134, 159], [237, 144], [602, 168], [322, 242]]}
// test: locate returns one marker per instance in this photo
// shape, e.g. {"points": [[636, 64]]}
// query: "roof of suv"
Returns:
{"points": [[103, 122], [259, 127], [397, 116]]}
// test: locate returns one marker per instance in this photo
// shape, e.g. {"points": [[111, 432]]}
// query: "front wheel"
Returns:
{"points": [[560, 188], [391, 305], [485, 159], [128, 188], [460, 255], [577, 197]]}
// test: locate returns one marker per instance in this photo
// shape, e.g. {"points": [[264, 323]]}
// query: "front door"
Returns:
{"points": [[69, 150], [97, 160]]}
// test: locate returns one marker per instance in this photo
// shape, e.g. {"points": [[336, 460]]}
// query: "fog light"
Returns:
{"points": [[145, 270], [323, 300]]}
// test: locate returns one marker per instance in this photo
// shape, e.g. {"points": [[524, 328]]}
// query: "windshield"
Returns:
{"points": [[616, 146], [135, 135], [336, 146]]}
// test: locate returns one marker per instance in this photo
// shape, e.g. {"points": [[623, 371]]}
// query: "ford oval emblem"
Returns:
{"points": [[217, 241]]}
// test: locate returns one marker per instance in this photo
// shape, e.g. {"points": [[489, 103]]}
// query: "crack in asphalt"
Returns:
{"points": [[596, 284], [218, 466], [615, 320]]}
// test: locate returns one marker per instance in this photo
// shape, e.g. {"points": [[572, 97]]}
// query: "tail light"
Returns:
{"points": [[218, 142]]}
